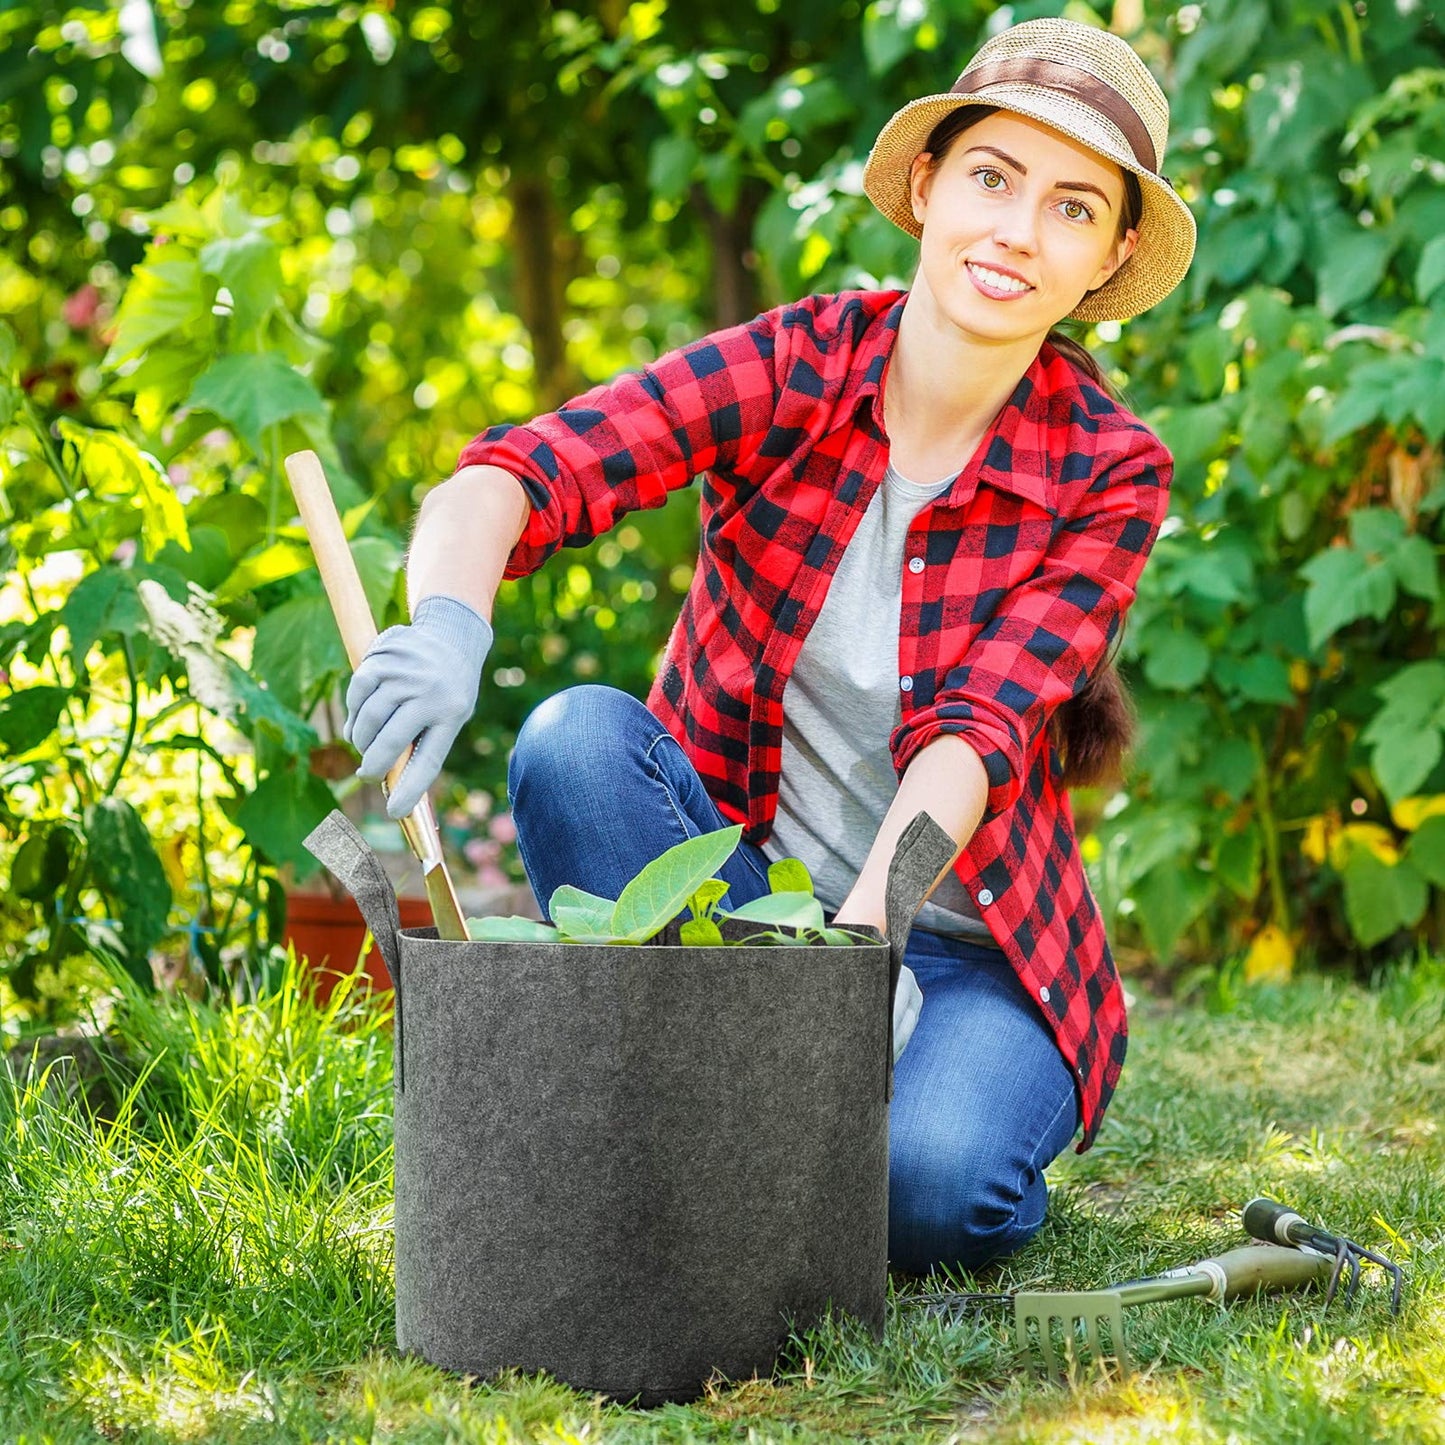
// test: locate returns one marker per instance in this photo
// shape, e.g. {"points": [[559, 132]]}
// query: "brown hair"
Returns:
{"points": [[1093, 730]]}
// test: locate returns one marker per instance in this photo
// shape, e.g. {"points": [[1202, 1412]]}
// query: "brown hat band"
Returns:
{"points": [[1054, 75]]}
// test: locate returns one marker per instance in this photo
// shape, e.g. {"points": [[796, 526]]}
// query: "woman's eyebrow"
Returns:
{"points": [[1023, 170]]}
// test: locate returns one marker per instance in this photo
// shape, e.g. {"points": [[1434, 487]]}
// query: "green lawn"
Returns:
{"points": [[215, 1265]]}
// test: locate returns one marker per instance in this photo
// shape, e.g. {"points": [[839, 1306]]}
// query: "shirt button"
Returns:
{"points": [[906, 683], [915, 564], [1044, 994], [985, 897]]}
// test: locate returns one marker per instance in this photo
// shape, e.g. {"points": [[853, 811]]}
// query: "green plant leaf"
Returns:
{"points": [[580, 914], [378, 563], [249, 266], [1425, 851], [889, 27], [216, 681], [165, 293], [782, 910], [28, 718], [700, 933], [253, 392], [1343, 587], [1416, 568], [790, 875], [1238, 858], [1405, 735], [124, 863], [42, 863], [120, 472], [1380, 898], [297, 648], [1353, 266], [270, 564], [660, 892], [1179, 661], [104, 602], [707, 897], [512, 929], [1430, 274], [670, 166], [280, 811], [1168, 899]]}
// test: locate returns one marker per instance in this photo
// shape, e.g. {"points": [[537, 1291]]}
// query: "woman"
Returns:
{"points": [[923, 521]]}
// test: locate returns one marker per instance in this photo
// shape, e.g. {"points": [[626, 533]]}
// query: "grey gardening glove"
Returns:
{"points": [[907, 1005], [417, 683]]}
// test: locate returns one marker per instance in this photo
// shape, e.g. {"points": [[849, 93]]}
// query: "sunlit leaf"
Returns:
{"points": [[782, 910], [165, 293], [661, 890]]}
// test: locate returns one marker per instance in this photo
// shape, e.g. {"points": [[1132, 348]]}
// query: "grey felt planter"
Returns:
{"points": [[633, 1167]]}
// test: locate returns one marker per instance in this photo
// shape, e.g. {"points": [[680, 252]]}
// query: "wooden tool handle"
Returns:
{"points": [[337, 567], [333, 555]]}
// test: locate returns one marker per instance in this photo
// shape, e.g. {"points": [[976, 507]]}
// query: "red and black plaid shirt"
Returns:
{"points": [[1029, 563]]}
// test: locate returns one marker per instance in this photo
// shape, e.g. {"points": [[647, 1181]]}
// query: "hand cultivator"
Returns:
{"points": [[1264, 1219], [1061, 1333]]}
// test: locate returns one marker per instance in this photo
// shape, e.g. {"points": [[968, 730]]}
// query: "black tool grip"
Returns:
{"points": [[1268, 1219]]}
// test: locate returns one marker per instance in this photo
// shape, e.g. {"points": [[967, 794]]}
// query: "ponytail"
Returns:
{"points": [[1094, 730]]}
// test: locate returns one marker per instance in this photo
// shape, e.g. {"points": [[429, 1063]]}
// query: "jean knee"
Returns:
{"points": [[564, 732], [962, 1216]]}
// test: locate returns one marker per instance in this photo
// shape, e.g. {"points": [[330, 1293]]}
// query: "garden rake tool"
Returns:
{"points": [[1060, 1333], [358, 632], [1267, 1219]]}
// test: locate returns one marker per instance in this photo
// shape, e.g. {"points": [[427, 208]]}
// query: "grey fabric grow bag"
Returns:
{"points": [[635, 1166]]}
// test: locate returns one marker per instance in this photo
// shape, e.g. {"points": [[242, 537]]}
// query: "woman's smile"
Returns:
{"points": [[997, 282]]}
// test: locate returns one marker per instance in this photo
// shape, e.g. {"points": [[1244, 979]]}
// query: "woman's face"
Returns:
{"points": [[1019, 222]]}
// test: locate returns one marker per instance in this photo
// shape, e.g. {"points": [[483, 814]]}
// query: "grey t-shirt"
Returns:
{"points": [[841, 704]]}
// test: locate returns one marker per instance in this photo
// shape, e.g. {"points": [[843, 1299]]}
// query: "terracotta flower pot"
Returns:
{"points": [[327, 934]]}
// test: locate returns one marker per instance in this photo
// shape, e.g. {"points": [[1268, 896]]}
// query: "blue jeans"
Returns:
{"points": [[983, 1100]]}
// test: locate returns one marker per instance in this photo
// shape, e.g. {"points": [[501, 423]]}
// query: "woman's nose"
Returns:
{"points": [[1017, 228]]}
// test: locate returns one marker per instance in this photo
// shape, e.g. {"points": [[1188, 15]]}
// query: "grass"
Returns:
{"points": [[214, 1263]]}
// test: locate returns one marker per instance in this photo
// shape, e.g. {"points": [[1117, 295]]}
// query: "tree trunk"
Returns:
{"points": [[734, 262], [541, 282]]}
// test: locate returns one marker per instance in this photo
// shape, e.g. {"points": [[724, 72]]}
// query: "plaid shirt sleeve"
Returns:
{"points": [[1048, 634], [626, 444]]}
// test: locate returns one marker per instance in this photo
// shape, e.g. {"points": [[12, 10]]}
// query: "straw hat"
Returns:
{"points": [[1089, 85]]}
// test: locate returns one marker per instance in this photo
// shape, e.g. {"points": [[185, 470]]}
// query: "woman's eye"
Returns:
{"points": [[1077, 211], [992, 179]]}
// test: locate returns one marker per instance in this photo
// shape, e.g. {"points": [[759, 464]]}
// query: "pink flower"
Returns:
{"points": [[502, 828], [80, 309], [481, 853], [492, 877]]}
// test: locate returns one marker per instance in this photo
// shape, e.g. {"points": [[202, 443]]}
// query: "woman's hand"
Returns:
{"points": [[418, 683]]}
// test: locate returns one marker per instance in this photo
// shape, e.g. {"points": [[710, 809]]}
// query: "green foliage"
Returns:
{"points": [[378, 242], [145, 552]]}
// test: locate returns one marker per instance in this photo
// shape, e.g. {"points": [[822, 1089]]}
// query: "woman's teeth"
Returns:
{"points": [[998, 280]]}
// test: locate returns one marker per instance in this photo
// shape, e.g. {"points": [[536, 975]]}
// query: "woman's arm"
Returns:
{"points": [[946, 779], [464, 533]]}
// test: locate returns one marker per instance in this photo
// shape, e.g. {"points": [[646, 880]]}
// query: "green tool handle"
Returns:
{"points": [[1240, 1271]]}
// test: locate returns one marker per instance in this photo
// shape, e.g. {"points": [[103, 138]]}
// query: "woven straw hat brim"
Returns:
{"points": [[1166, 225]]}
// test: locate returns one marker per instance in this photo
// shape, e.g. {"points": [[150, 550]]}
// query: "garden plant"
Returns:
{"points": [[233, 230]]}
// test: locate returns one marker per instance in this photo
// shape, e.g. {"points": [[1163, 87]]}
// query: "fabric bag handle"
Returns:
{"points": [[923, 855], [336, 842]]}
